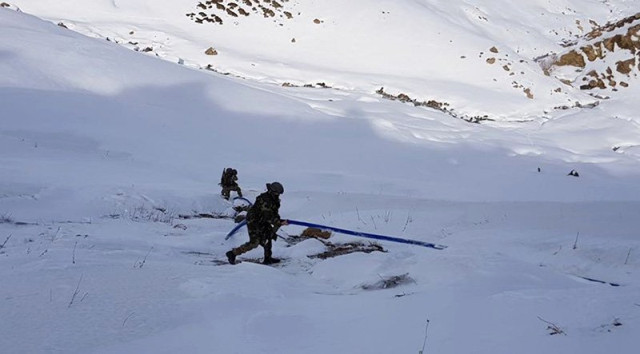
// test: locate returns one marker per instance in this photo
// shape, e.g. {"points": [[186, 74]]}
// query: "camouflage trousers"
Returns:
{"points": [[226, 191], [258, 236]]}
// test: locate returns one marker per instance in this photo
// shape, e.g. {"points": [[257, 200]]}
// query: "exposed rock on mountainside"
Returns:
{"points": [[211, 51], [476, 59], [609, 59], [433, 104], [9, 6], [216, 11]]}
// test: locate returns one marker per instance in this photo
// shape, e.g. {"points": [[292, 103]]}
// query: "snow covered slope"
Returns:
{"points": [[109, 160], [477, 58]]}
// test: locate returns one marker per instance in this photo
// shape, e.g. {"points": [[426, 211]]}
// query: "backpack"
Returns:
{"points": [[224, 178], [227, 177]]}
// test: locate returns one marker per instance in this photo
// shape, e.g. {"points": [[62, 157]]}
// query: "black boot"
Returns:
{"points": [[271, 260], [231, 257]]}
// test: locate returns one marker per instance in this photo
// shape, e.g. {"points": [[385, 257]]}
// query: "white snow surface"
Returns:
{"points": [[105, 150]]}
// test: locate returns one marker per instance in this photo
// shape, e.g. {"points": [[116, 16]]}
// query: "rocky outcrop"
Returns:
{"points": [[622, 38], [433, 104], [572, 58], [9, 6], [217, 11]]}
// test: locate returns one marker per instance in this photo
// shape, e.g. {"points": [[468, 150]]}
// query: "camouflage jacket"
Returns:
{"points": [[265, 211]]}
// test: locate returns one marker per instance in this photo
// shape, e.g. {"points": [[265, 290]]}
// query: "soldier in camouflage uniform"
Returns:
{"points": [[229, 183], [263, 222]]}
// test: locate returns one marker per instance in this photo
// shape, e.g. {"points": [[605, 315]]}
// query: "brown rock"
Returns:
{"points": [[313, 232], [211, 51], [591, 53], [404, 98], [572, 58], [434, 104], [592, 73], [597, 83], [625, 66], [594, 34], [610, 43]]}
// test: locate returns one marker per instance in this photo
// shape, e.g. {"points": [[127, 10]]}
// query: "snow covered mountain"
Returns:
{"points": [[474, 59], [118, 117]]}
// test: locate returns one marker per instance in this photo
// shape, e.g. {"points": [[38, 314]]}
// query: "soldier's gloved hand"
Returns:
{"points": [[274, 237], [284, 222]]}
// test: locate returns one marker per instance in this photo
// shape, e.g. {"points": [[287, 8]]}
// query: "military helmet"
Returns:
{"points": [[275, 187]]}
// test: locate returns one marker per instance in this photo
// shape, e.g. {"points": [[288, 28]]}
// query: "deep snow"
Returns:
{"points": [[102, 149]]}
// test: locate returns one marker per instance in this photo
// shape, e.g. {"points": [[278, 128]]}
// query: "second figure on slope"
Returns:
{"points": [[263, 221], [229, 182]]}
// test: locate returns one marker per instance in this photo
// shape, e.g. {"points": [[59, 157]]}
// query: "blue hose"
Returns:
{"points": [[235, 229], [368, 235], [349, 232]]}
